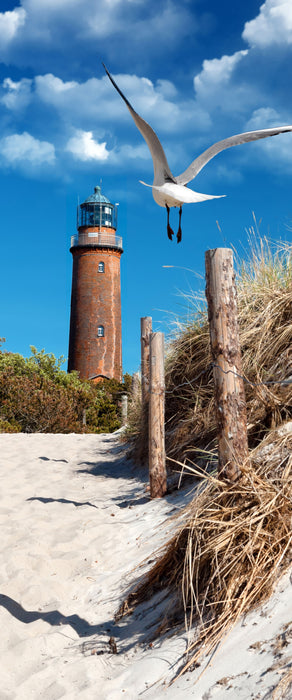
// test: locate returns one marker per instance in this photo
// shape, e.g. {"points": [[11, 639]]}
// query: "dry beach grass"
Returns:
{"points": [[233, 541], [264, 288], [231, 548]]}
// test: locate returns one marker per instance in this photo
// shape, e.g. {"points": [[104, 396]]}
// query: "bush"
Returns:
{"points": [[36, 395]]}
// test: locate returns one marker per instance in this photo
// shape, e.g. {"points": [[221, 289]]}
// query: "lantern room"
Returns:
{"points": [[97, 211]]}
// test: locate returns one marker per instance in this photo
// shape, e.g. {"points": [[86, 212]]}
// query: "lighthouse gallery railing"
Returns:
{"points": [[101, 239]]}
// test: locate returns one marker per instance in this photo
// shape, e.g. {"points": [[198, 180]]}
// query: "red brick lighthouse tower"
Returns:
{"points": [[95, 345]]}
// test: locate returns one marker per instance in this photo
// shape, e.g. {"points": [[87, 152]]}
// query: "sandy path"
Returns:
{"points": [[75, 520]]}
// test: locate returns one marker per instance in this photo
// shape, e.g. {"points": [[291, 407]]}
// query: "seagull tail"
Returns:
{"points": [[145, 183]]}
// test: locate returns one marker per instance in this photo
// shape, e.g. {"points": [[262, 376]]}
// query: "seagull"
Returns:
{"points": [[169, 191]]}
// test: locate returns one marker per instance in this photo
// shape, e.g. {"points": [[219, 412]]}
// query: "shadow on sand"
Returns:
{"points": [[77, 504], [138, 628]]}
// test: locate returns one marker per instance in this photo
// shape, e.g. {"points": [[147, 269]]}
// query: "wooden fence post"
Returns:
{"points": [[135, 386], [157, 470], [230, 403], [146, 330], [124, 409]]}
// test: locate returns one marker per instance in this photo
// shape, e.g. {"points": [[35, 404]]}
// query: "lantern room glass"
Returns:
{"points": [[97, 214]]}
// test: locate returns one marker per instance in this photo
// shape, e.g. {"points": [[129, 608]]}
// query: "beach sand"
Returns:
{"points": [[76, 520]]}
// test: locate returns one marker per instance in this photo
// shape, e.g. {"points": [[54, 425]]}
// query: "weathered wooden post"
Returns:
{"points": [[135, 387], [157, 470], [124, 409], [230, 403], [146, 330]]}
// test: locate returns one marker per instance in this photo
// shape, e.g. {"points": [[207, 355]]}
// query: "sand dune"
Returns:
{"points": [[75, 521]]}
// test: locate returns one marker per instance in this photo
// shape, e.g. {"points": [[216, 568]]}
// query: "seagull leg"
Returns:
{"points": [[179, 233], [169, 229]]}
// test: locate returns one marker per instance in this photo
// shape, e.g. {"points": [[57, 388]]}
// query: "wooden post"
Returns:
{"points": [[230, 403], [157, 470], [124, 409], [135, 387], [146, 330]]}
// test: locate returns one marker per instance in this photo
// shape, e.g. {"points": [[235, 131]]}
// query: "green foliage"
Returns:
{"points": [[104, 412], [36, 395], [127, 385], [9, 426]]}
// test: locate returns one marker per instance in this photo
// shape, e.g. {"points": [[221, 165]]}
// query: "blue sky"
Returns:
{"points": [[198, 71]]}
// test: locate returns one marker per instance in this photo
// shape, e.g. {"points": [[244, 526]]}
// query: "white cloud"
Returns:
{"points": [[273, 25], [23, 148], [10, 24], [51, 5], [40, 29], [64, 94], [84, 147], [105, 106], [132, 152], [166, 88], [16, 95], [221, 86], [263, 118], [164, 21], [132, 155], [277, 148], [216, 73], [50, 86], [70, 97]]}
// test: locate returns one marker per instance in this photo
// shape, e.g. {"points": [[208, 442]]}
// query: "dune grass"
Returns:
{"points": [[233, 541], [232, 545], [264, 289]]}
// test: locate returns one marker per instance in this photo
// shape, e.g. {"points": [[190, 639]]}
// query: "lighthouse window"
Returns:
{"points": [[100, 331], [101, 267]]}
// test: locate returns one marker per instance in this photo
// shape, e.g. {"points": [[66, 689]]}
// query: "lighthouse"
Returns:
{"points": [[95, 343]]}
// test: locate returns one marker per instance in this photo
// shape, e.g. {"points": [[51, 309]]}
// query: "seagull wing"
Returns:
{"points": [[207, 155], [162, 172]]}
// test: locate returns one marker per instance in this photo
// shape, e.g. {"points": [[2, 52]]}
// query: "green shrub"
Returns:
{"points": [[9, 426], [36, 395]]}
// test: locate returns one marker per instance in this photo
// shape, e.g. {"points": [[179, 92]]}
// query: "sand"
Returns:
{"points": [[76, 520]]}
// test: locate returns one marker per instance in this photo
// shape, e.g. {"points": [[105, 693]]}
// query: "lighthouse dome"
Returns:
{"points": [[97, 197]]}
